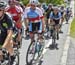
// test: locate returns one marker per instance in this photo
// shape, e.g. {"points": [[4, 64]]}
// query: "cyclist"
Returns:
{"points": [[55, 19], [15, 13], [68, 14], [48, 11], [6, 31], [34, 16], [62, 10]]}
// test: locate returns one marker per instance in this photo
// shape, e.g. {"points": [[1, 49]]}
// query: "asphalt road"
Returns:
{"points": [[51, 57]]}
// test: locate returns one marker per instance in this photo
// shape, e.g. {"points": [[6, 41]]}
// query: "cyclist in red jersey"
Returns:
{"points": [[15, 13]]}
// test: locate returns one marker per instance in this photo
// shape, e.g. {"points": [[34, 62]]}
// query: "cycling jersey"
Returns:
{"points": [[56, 18], [62, 11], [5, 24], [34, 17], [14, 12], [67, 11], [48, 11]]}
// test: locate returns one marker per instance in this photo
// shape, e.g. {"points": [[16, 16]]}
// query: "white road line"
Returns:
{"points": [[45, 49], [67, 43]]}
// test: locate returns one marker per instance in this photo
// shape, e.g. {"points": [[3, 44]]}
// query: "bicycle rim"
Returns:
{"points": [[27, 55], [54, 38], [17, 58], [6, 62]]}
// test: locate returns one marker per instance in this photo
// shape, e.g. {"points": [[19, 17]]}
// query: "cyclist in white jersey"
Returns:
{"points": [[34, 16]]}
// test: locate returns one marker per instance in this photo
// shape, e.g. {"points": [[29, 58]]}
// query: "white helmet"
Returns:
{"points": [[34, 2]]}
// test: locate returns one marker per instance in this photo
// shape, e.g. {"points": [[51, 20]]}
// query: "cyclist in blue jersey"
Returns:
{"points": [[55, 19], [34, 17]]}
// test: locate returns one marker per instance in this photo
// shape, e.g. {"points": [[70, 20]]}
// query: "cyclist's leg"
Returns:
{"points": [[40, 35], [19, 36], [9, 48], [57, 28], [32, 28], [52, 23]]}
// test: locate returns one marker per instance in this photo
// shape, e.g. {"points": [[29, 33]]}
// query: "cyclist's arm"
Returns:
{"points": [[26, 22], [42, 18], [50, 18], [9, 33], [8, 38], [26, 18]]}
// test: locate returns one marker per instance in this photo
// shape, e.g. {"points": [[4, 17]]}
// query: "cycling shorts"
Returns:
{"points": [[35, 27], [56, 21]]}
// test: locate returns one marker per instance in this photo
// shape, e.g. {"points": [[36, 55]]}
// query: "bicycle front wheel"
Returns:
{"points": [[17, 58], [32, 54]]}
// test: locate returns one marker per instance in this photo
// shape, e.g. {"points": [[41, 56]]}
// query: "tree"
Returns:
{"points": [[56, 2], [25, 2]]}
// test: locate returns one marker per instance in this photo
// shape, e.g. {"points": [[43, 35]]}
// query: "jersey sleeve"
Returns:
{"points": [[39, 12], [10, 23], [60, 15], [51, 15], [18, 9], [7, 8], [25, 13]]}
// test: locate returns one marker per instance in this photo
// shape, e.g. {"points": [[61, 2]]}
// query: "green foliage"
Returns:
{"points": [[56, 2], [25, 2], [72, 29]]}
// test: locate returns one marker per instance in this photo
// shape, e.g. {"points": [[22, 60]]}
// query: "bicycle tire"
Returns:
{"points": [[17, 57], [9, 60], [54, 37], [27, 62], [34, 54]]}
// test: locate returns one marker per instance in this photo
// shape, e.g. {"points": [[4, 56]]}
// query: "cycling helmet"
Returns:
{"points": [[50, 5], [34, 2], [12, 1], [2, 5]]}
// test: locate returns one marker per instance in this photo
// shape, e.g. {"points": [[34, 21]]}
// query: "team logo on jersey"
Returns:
{"points": [[5, 25]]}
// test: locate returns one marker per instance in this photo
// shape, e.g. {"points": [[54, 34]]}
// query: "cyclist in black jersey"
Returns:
{"points": [[6, 31]]}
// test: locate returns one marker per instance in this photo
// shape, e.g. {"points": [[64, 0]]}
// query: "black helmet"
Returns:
{"points": [[2, 5]]}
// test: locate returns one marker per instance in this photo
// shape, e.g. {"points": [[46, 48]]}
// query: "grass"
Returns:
{"points": [[72, 29]]}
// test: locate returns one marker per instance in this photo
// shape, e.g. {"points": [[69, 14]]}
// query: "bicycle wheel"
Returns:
{"points": [[17, 58], [54, 37], [32, 54], [6, 58]]}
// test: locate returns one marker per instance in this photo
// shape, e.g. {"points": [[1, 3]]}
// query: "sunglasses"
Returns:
{"points": [[33, 5]]}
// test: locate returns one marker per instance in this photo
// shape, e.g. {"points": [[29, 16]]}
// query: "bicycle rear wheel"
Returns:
{"points": [[54, 37]]}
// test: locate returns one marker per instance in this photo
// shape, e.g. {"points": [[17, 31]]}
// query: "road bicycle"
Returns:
{"points": [[5, 57], [35, 49]]}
